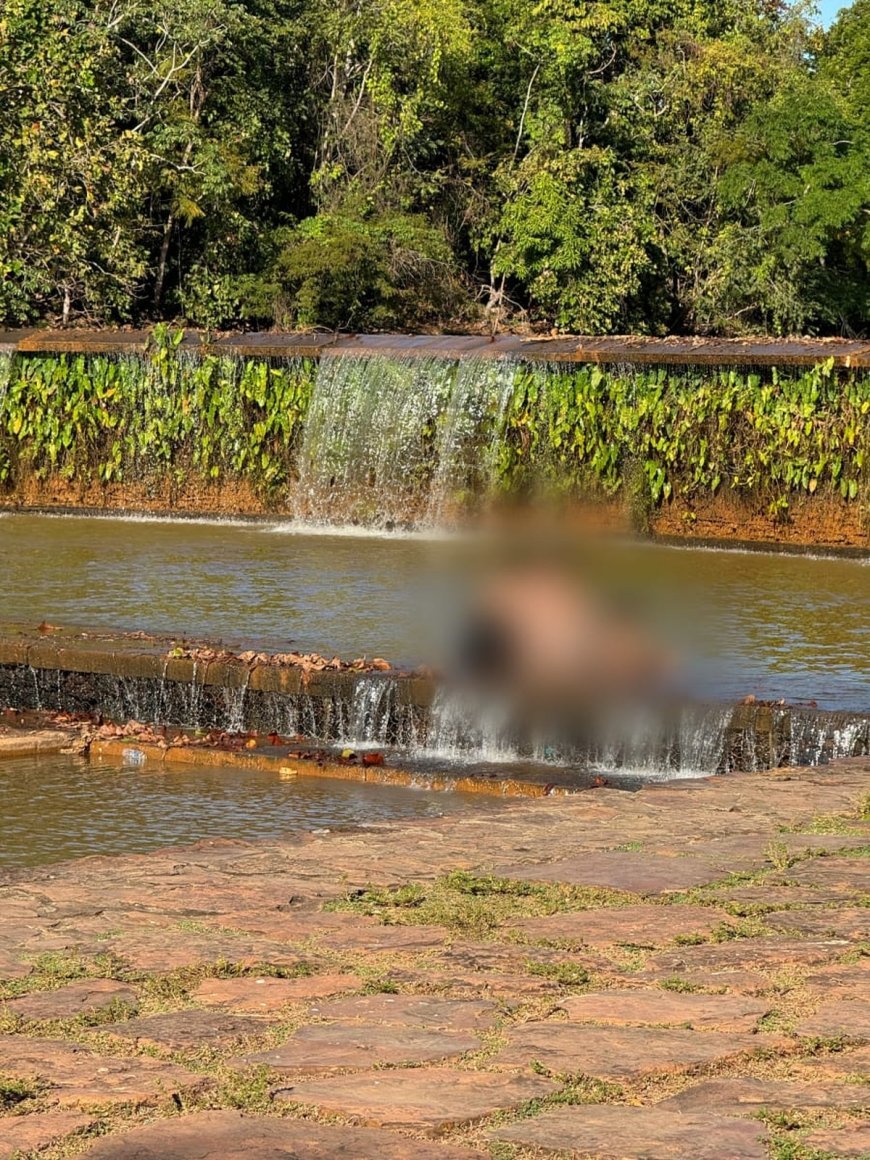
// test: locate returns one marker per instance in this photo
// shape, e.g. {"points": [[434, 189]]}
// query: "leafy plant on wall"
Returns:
{"points": [[676, 433]]}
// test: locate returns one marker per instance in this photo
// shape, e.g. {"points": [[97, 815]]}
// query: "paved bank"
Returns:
{"points": [[677, 972]]}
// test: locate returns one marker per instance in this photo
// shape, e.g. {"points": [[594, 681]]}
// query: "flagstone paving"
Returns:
{"points": [[639, 926], [22, 1134], [231, 1136], [846, 1018], [265, 996], [612, 1133], [621, 1053], [78, 1077], [842, 922], [734, 1096], [83, 998], [187, 1030], [429, 1099], [680, 972], [411, 1011], [332, 1046], [667, 1009], [841, 1142]]}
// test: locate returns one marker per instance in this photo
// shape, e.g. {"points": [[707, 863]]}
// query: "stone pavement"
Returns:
{"points": [[674, 973]]}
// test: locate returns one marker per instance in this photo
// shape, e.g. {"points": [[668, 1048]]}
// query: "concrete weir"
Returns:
{"points": [[847, 353], [120, 678]]}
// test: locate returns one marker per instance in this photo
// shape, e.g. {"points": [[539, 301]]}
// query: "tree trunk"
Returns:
{"points": [[164, 256]]}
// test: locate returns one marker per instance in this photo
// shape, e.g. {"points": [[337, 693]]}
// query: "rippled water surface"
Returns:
{"points": [[775, 626], [59, 807]]}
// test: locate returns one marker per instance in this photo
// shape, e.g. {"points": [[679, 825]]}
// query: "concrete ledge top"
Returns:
{"points": [[136, 655], [568, 348]]}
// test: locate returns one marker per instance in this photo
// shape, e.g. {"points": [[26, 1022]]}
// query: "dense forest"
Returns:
{"points": [[645, 166]]}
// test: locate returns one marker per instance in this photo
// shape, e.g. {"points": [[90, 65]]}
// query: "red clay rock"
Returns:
{"points": [[852, 922], [507, 988], [740, 962], [666, 1008], [429, 1099], [501, 959], [411, 1011], [841, 979], [20, 1134], [641, 926], [841, 1142], [187, 1030], [854, 1062], [78, 998], [611, 1132], [619, 1053], [263, 996], [387, 938], [774, 896], [78, 1077], [848, 873], [162, 951], [231, 1136], [736, 852], [636, 873], [290, 926], [325, 1047], [12, 966], [735, 1097], [849, 1018]]}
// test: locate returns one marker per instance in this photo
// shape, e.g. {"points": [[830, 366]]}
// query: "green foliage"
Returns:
{"points": [[567, 974], [349, 272], [658, 166], [110, 419], [693, 431], [14, 1091], [70, 171], [651, 434]]}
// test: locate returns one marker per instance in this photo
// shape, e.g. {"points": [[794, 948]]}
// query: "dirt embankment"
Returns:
{"points": [[819, 521]]}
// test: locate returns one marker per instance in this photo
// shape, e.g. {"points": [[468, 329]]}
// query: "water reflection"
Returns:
{"points": [[58, 807], [774, 626]]}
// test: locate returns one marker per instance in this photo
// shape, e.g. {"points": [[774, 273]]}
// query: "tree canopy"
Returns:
{"points": [[586, 165]]}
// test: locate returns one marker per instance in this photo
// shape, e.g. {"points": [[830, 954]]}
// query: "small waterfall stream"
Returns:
{"points": [[379, 710], [398, 440], [5, 379]]}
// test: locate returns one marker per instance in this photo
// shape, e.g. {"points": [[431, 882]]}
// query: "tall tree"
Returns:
{"points": [[71, 234]]}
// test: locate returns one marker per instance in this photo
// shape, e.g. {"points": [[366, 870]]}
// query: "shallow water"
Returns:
{"points": [[776, 626], [59, 807]]}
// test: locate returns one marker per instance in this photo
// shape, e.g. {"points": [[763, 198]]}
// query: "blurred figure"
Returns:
{"points": [[553, 654]]}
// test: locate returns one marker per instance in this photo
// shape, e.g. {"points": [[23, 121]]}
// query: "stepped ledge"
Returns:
{"points": [[563, 348]]}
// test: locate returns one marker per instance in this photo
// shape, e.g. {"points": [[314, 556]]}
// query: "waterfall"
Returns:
{"points": [[400, 440], [469, 433], [380, 710], [5, 378], [234, 704], [815, 738]]}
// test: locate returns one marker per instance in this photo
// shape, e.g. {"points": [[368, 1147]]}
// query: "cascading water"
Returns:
{"points": [[469, 432], [398, 440], [5, 376], [380, 710]]}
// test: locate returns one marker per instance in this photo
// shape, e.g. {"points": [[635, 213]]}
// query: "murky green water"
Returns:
{"points": [[59, 807], [776, 626]]}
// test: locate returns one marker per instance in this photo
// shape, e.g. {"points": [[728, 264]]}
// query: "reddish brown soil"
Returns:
{"points": [[195, 497], [819, 521]]}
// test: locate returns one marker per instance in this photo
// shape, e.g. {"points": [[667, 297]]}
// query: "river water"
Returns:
{"points": [[776, 626], [59, 807]]}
